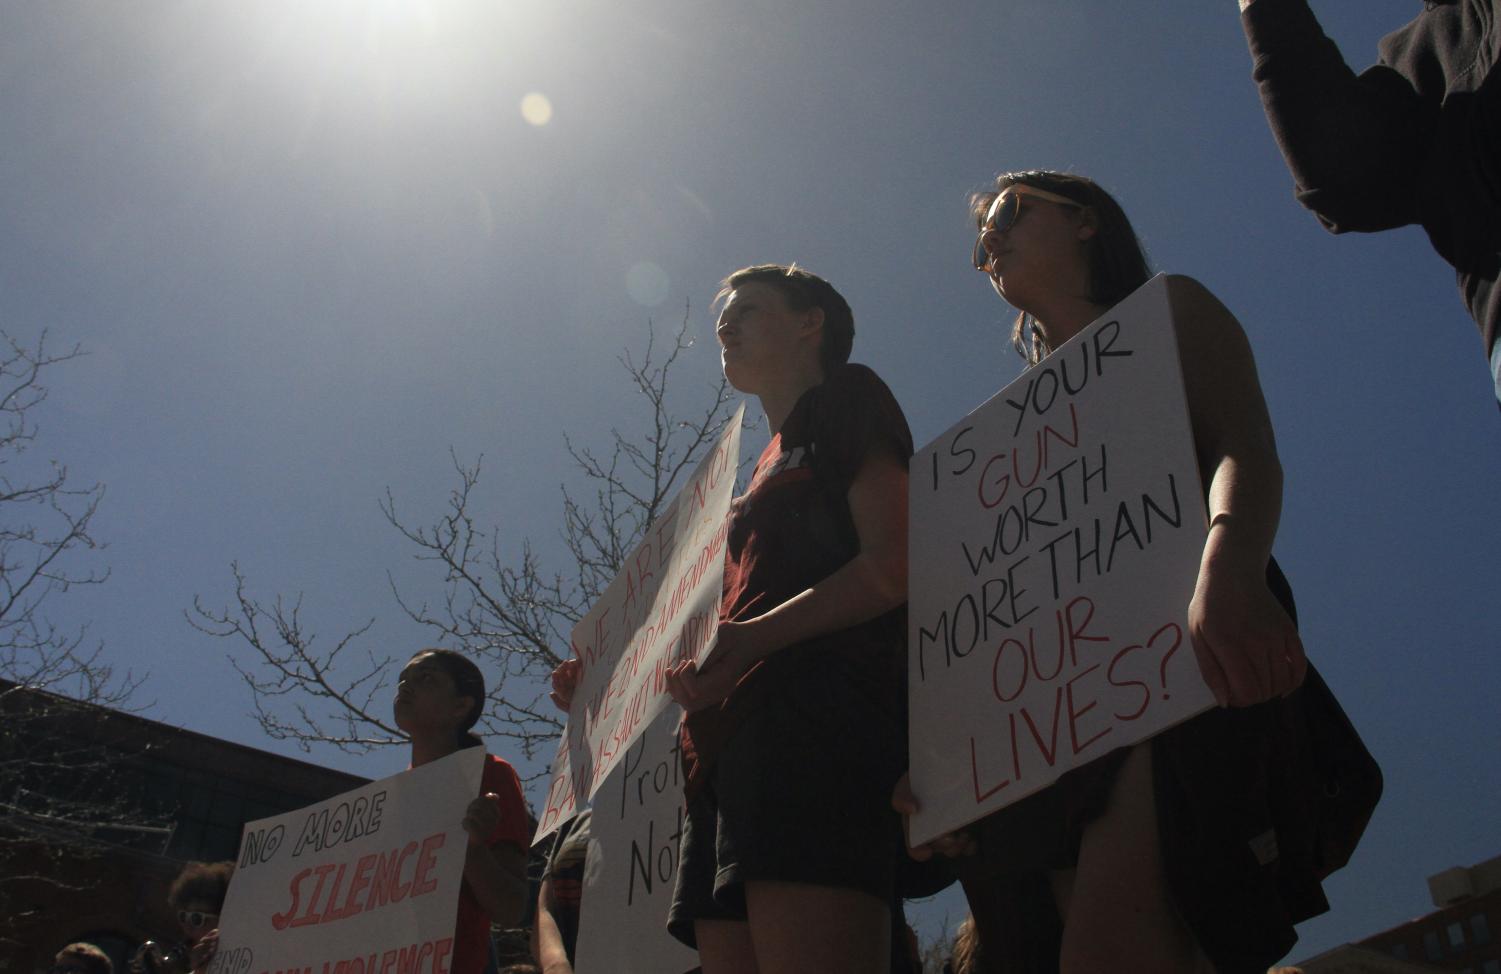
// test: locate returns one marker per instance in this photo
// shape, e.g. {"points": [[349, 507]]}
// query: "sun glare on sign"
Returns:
{"points": [[536, 109]]}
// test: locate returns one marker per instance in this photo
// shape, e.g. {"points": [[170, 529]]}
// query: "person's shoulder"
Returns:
{"points": [[1183, 287], [853, 373], [1191, 299], [499, 769], [1212, 345], [858, 408], [855, 382]]}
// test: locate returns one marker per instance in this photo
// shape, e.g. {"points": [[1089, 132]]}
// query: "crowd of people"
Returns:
{"points": [[1193, 851]]}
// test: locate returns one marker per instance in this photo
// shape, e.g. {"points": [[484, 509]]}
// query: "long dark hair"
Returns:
{"points": [[469, 682], [1117, 263]]}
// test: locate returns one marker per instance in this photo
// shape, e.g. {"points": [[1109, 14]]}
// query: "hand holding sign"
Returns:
{"points": [[951, 845], [1248, 649], [695, 687], [204, 950], [482, 818], [565, 682]]}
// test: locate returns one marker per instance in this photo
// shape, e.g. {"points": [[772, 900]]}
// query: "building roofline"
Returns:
{"points": [[180, 743]]}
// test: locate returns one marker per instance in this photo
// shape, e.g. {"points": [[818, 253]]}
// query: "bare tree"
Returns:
{"points": [[45, 525], [502, 603], [55, 789]]}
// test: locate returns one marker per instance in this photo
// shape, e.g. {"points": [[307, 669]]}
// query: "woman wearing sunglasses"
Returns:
{"points": [[1148, 858]]}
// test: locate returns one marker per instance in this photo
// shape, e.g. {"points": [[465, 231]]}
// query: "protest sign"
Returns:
{"points": [[364, 883], [633, 861], [661, 609], [1055, 535]]}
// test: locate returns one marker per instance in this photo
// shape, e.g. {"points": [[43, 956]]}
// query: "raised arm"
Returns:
{"points": [[1352, 142], [1247, 647]]}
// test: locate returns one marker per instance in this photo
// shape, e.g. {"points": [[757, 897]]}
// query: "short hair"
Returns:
{"points": [[1117, 263], [803, 291], [468, 681], [89, 957], [205, 882]]}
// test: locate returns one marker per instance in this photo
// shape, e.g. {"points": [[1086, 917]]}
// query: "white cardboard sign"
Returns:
{"points": [[1056, 534], [633, 861], [363, 883], [661, 609]]}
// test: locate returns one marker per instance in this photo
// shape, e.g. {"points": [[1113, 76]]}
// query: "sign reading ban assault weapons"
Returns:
{"points": [[661, 609], [1056, 534]]}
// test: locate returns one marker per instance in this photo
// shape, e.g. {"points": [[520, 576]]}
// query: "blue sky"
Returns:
{"points": [[311, 247]]}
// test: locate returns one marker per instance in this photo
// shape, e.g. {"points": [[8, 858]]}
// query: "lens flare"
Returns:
{"points": [[536, 109]]}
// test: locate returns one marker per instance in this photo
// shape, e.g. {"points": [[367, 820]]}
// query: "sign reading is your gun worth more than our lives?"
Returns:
{"points": [[1056, 534], [363, 883], [633, 861], [661, 609]]}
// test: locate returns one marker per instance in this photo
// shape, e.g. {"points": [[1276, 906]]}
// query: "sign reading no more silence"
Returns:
{"points": [[364, 883]]}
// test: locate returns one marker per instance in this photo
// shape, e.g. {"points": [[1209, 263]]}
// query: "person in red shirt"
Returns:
{"points": [[796, 724], [439, 697]]}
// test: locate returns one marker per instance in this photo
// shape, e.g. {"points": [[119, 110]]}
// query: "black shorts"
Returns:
{"points": [[1242, 795], [801, 793]]}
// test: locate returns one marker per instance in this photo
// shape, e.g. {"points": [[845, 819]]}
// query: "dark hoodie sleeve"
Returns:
{"points": [[1352, 142]]}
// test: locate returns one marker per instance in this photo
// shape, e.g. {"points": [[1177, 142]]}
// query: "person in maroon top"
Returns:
{"points": [[796, 726]]}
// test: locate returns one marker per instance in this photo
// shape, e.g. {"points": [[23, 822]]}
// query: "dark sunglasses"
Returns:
{"points": [[195, 918], [1003, 213]]}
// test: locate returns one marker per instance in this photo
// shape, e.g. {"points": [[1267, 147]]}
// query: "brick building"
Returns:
{"points": [[104, 878]]}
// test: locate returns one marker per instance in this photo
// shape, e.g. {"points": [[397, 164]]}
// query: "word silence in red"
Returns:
{"points": [[319, 894]]}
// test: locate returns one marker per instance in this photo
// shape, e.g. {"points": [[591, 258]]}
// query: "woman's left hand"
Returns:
{"points": [[694, 688], [1248, 649], [482, 817]]}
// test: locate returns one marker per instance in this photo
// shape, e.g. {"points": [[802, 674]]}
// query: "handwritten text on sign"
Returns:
{"points": [[365, 883], [661, 609], [1056, 534], [633, 861]]}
